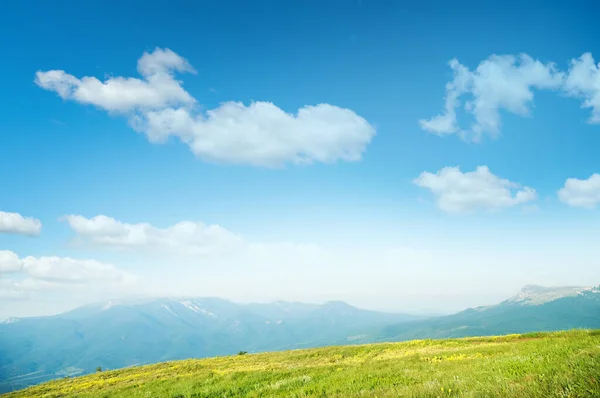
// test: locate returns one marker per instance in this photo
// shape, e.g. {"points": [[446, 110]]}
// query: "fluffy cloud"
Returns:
{"points": [[507, 82], [446, 122], [476, 190], [157, 90], [68, 270], [361, 271], [189, 242], [9, 262], [184, 237], [235, 267], [19, 277], [259, 134], [17, 224], [12, 290], [24, 288], [499, 82], [581, 193], [61, 269], [583, 81]]}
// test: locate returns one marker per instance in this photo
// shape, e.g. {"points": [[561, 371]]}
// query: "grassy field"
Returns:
{"points": [[560, 364]]}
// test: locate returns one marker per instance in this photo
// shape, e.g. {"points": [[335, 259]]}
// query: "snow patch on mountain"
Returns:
{"points": [[194, 307], [166, 307], [537, 295]]}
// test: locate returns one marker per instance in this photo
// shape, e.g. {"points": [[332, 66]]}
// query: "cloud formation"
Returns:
{"points": [[581, 193], [21, 276], [362, 271], [583, 81], [507, 82], [9, 262], [235, 267], [191, 240], [13, 290], [259, 134], [157, 89], [188, 237], [14, 223], [457, 192]]}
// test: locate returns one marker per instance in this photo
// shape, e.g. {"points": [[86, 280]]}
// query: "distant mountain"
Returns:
{"points": [[535, 308], [117, 334]]}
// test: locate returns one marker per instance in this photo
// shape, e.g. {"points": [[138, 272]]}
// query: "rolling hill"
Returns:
{"points": [[116, 334], [119, 334], [537, 365]]}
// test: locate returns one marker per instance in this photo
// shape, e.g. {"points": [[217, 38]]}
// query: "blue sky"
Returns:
{"points": [[386, 61]]}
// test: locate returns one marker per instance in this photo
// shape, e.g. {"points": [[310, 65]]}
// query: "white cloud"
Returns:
{"points": [[446, 123], [20, 278], [501, 82], [9, 262], [68, 270], [158, 89], [463, 261], [17, 224], [583, 81], [61, 269], [476, 190], [190, 242], [12, 290], [188, 237], [24, 288], [581, 193], [259, 134], [233, 266]]}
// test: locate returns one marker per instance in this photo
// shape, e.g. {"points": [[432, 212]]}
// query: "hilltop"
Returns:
{"points": [[544, 365]]}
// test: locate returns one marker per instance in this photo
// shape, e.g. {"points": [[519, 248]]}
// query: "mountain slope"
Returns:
{"points": [[118, 334], [548, 365], [536, 308]]}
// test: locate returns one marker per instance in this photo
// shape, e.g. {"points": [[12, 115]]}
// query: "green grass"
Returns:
{"points": [[559, 364]]}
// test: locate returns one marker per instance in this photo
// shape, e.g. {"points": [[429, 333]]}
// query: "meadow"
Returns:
{"points": [[555, 364]]}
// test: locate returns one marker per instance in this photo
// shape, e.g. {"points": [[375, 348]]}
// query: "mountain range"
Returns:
{"points": [[534, 309], [118, 334]]}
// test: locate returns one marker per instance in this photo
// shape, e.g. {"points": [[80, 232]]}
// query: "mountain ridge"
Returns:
{"points": [[554, 308], [531, 293], [112, 334], [537, 294]]}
